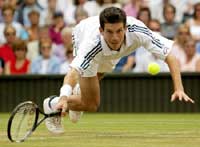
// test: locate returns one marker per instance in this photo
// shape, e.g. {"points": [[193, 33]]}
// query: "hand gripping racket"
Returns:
{"points": [[24, 120]]}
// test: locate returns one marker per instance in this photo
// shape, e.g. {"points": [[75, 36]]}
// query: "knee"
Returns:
{"points": [[92, 106]]}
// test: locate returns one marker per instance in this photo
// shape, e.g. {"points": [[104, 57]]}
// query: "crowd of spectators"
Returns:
{"points": [[35, 35]]}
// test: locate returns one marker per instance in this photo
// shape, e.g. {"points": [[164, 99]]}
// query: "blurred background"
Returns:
{"points": [[36, 50]]}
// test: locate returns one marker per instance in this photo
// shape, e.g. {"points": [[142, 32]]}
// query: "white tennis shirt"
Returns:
{"points": [[92, 54]]}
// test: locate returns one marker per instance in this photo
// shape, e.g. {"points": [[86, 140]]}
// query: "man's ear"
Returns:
{"points": [[101, 30]]}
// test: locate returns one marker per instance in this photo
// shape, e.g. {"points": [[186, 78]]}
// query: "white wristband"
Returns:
{"points": [[65, 90]]}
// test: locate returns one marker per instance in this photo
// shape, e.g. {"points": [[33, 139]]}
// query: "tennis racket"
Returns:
{"points": [[24, 120]]}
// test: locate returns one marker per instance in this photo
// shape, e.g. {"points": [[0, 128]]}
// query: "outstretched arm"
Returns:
{"points": [[176, 77]]}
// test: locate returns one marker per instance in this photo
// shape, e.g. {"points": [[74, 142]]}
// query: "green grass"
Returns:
{"points": [[116, 130]]}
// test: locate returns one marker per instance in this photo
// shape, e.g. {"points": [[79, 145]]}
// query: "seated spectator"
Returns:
{"points": [[56, 28], [2, 3], [46, 63], [6, 51], [194, 23], [25, 8], [192, 62], [182, 36], [51, 9], [155, 26], [21, 64], [33, 46], [60, 50], [33, 30], [8, 15], [156, 7], [170, 26], [144, 15], [132, 7], [66, 65], [126, 63], [1, 66], [80, 14]]}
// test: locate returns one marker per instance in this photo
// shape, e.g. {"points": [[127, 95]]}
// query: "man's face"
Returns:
{"points": [[8, 16], [10, 35], [113, 34]]}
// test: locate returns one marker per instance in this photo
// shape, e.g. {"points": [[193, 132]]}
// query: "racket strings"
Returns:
{"points": [[23, 122]]}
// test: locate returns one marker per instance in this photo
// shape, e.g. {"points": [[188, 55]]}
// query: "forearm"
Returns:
{"points": [[71, 78], [175, 72]]}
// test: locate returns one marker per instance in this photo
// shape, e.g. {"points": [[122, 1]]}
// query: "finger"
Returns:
{"points": [[64, 110], [173, 97], [189, 100], [180, 98]]}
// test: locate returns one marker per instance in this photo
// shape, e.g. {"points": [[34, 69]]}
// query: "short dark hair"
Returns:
{"points": [[169, 6], [19, 44], [58, 14], [112, 15]]}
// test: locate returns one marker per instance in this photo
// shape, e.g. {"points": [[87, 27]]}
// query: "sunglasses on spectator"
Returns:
{"points": [[10, 33], [46, 47], [20, 49], [183, 33]]}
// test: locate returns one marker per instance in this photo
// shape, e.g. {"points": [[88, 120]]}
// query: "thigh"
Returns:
{"points": [[90, 89]]}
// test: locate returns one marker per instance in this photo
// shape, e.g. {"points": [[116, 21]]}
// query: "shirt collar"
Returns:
{"points": [[106, 50]]}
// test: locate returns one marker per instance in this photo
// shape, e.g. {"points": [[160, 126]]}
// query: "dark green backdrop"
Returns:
{"points": [[119, 92]]}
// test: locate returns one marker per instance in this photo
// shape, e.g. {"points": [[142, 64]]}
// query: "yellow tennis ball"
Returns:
{"points": [[153, 68]]}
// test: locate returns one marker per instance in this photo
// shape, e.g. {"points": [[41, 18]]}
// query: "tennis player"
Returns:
{"points": [[99, 43]]}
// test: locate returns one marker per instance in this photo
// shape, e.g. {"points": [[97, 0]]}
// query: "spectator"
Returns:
{"points": [[51, 9], [46, 63], [192, 62], [1, 14], [25, 8], [8, 15], [80, 14], [182, 36], [1, 66], [33, 46], [133, 7], [21, 64], [33, 30], [144, 15], [94, 7], [155, 26], [66, 65], [109, 3], [56, 28], [156, 8], [60, 50], [126, 63], [170, 26], [6, 51], [194, 23]]}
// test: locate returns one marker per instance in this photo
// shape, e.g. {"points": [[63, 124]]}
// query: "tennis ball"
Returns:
{"points": [[153, 68]]}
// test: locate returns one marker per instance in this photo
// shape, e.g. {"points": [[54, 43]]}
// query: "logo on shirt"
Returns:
{"points": [[165, 50]]}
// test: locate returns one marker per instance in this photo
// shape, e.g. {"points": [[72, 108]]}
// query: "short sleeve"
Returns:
{"points": [[153, 42], [84, 60]]}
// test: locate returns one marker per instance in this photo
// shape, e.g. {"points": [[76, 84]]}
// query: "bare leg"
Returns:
{"points": [[90, 95]]}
